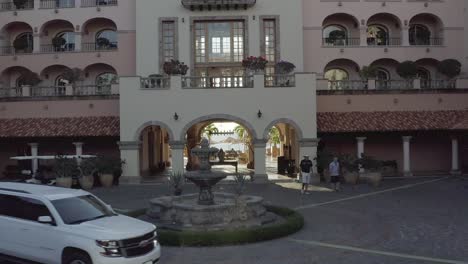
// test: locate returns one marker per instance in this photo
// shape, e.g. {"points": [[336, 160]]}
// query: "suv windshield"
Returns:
{"points": [[81, 209]]}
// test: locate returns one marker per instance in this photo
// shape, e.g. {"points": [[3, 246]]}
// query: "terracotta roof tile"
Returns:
{"points": [[60, 127], [333, 122]]}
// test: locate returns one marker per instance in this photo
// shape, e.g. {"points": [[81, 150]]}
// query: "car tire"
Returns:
{"points": [[77, 258]]}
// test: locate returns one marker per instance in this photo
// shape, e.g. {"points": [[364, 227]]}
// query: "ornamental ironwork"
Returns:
{"points": [[217, 4]]}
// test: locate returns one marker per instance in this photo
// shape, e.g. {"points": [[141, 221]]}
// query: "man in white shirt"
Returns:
{"points": [[334, 169]]}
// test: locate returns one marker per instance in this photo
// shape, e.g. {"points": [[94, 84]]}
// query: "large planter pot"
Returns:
{"points": [[372, 178], [106, 179], [351, 177], [64, 182], [86, 182]]}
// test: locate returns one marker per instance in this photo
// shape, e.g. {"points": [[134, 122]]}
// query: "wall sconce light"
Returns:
{"points": [[259, 114], [253, 17], [176, 116], [183, 20]]}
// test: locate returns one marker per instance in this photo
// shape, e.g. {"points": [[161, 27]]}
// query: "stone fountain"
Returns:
{"points": [[206, 210]]}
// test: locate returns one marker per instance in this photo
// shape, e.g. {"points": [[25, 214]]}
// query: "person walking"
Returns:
{"points": [[306, 170], [334, 169]]}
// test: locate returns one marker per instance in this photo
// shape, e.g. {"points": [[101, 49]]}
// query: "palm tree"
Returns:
{"points": [[243, 135], [209, 130], [275, 137]]}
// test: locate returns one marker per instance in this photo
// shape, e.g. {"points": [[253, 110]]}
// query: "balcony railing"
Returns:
{"points": [[11, 92], [48, 91], [280, 80], [52, 4], [438, 84], [217, 4], [217, 82], [394, 84], [10, 50], [161, 82], [94, 3], [333, 42], [386, 42], [347, 85], [99, 47], [88, 90], [427, 42], [10, 5], [49, 48]]}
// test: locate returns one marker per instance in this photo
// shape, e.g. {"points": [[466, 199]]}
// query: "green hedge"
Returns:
{"points": [[293, 223]]}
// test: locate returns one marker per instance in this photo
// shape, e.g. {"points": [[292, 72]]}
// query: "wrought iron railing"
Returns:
{"points": [[93, 3], [217, 82], [438, 84], [384, 42], [394, 84], [20, 5], [427, 42], [8, 50], [49, 48], [217, 4], [347, 85], [11, 92], [334, 42], [99, 47], [87, 90], [161, 82], [48, 91], [280, 80], [52, 4]]}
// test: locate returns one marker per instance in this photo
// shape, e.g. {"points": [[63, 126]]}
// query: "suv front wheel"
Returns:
{"points": [[77, 258]]}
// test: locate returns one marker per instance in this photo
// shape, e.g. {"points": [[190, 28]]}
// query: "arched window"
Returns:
{"points": [[383, 78], [106, 39], [23, 43], [68, 41], [60, 81], [20, 82], [335, 35], [104, 82], [419, 35], [377, 35], [335, 78], [425, 77]]}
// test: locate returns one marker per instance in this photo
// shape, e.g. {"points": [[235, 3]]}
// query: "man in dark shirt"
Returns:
{"points": [[306, 171]]}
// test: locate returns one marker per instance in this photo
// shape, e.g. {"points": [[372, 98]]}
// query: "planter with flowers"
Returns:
{"points": [[256, 65]]}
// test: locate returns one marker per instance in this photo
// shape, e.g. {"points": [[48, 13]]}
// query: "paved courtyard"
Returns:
{"points": [[422, 220]]}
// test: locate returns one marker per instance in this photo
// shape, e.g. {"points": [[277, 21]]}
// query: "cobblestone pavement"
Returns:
{"points": [[422, 220]]}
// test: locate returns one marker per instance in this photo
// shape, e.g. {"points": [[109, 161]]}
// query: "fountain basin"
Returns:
{"points": [[228, 212]]}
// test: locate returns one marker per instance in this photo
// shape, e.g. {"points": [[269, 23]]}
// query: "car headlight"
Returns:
{"points": [[107, 243], [111, 248]]}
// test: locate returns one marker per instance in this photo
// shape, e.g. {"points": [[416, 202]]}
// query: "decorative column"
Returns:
{"points": [[130, 152], [34, 160], [407, 156], [78, 150], [177, 148], [308, 146], [259, 160], [36, 43], [455, 157], [363, 36], [78, 41], [405, 36], [360, 150]]}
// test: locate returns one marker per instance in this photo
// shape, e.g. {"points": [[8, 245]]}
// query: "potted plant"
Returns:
{"points": [[21, 44], [175, 67], [255, 64], [372, 170], [65, 169], [284, 67], [350, 168], [106, 168], [407, 70], [450, 67], [88, 168], [336, 37], [102, 43], [19, 4], [368, 73], [176, 180], [58, 42], [30, 78], [73, 75]]}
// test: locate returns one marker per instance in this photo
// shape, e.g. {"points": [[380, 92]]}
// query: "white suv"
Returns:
{"points": [[63, 226]]}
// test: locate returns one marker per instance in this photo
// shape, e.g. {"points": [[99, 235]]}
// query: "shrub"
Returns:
{"points": [[73, 75], [293, 223], [109, 165], [254, 63], [20, 44], [450, 68], [368, 72], [407, 69], [65, 167], [175, 67], [30, 78], [284, 67], [88, 167], [19, 4], [58, 42]]}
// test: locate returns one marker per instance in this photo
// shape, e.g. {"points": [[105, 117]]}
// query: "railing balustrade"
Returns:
{"points": [[49, 48], [48, 91], [394, 84], [52, 4], [384, 42], [11, 5], [218, 4], [438, 84], [162, 82], [427, 42], [99, 47], [217, 82], [11, 92], [87, 90], [334, 42], [8, 50], [280, 80], [347, 85], [94, 3]]}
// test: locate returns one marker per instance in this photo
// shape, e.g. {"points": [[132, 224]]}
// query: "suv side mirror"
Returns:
{"points": [[45, 220]]}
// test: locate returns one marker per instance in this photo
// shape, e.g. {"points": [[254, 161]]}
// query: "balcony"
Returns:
{"points": [[90, 47], [217, 4], [97, 3], [383, 86], [333, 42], [11, 6], [214, 82], [27, 92], [56, 4]]}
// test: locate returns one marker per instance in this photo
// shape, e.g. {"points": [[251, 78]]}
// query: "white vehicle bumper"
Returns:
{"points": [[150, 258]]}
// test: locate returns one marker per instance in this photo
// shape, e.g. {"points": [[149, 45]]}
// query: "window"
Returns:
{"points": [[383, 77], [22, 207], [334, 35], [80, 209], [419, 35], [269, 40], [377, 35], [68, 41], [106, 39], [105, 79], [225, 41], [60, 81], [335, 78], [23, 43], [168, 39]]}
